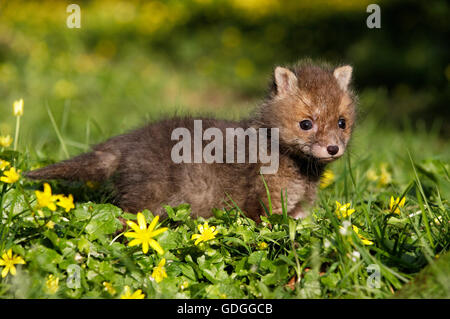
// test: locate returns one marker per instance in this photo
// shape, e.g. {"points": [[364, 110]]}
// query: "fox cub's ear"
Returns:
{"points": [[286, 82], [343, 76]]}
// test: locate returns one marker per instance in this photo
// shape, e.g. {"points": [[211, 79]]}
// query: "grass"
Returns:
{"points": [[84, 86], [279, 258]]}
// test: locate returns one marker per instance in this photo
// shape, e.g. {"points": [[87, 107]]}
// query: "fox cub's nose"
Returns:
{"points": [[332, 149]]}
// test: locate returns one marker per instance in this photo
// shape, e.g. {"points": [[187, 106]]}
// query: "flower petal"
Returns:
{"points": [[134, 242], [52, 206], [131, 234], [366, 241], [391, 203], [141, 221], [153, 223], [137, 295], [18, 260], [195, 236], [47, 189], [145, 246], [5, 271], [158, 231], [133, 225], [154, 244]]}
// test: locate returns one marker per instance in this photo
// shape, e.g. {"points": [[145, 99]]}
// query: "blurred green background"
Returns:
{"points": [[133, 61]]}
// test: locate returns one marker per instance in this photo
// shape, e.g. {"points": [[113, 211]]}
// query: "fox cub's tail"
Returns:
{"points": [[93, 166]]}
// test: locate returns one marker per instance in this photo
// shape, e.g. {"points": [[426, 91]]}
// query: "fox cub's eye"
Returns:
{"points": [[306, 125], [341, 123]]}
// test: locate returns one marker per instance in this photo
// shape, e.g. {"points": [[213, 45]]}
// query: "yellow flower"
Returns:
{"points": [[8, 260], [10, 176], [50, 224], [45, 198], [159, 273], [92, 184], [372, 175], [385, 176], [343, 210], [40, 213], [438, 220], [52, 284], [327, 179], [206, 233], [262, 245], [397, 203], [135, 295], [383, 179], [109, 288], [65, 202], [5, 141], [3, 164], [184, 285], [18, 107], [365, 241], [144, 235]]}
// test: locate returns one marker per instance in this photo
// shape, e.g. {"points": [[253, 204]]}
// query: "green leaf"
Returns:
{"points": [[44, 258], [169, 240], [170, 211], [292, 229], [188, 271], [256, 257], [331, 280], [236, 241], [280, 274], [182, 212], [101, 219]]}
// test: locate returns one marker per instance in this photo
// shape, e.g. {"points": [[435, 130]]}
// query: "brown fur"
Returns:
{"points": [[145, 177]]}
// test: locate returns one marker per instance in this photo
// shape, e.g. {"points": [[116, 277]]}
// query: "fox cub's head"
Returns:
{"points": [[313, 108]]}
